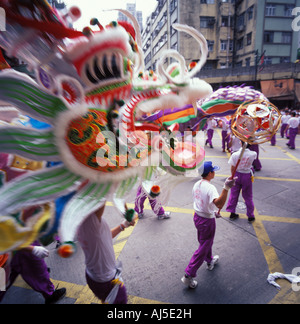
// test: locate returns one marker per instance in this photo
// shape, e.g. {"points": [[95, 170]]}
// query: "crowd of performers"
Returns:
{"points": [[96, 238]]}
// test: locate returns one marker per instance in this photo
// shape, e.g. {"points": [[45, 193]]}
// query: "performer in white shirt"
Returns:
{"points": [[207, 203], [293, 125], [225, 134], [243, 182], [211, 125], [102, 273], [284, 124]]}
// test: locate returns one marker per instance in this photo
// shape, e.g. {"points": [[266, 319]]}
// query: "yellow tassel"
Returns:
{"points": [[117, 282]]}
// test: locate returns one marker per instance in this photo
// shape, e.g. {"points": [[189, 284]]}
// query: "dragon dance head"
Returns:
{"points": [[87, 88]]}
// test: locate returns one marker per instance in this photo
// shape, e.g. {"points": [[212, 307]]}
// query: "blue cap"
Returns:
{"points": [[208, 167]]}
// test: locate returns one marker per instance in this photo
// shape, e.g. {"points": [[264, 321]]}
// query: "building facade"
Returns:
{"points": [[264, 32], [240, 33]]}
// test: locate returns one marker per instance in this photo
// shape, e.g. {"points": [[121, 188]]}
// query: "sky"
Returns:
{"points": [[94, 9]]}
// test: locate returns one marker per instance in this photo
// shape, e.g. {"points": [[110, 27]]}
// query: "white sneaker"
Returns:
{"points": [[189, 282], [215, 260], [166, 215]]}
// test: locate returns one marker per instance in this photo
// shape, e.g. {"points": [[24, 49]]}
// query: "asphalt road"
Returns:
{"points": [[155, 253]]}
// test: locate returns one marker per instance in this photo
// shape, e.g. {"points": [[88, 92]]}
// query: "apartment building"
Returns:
{"points": [[158, 33], [264, 30], [238, 32]]}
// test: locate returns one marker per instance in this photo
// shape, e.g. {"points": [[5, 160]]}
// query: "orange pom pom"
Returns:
{"points": [[155, 191], [66, 250]]}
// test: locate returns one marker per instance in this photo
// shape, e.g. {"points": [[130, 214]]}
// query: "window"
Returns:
{"points": [[269, 37], [286, 37], [268, 60], [173, 5], [288, 10], [285, 59], [270, 10], [208, 1], [250, 12], [226, 21], [240, 43], [241, 22], [248, 61], [207, 22], [211, 45], [249, 39], [224, 45]]}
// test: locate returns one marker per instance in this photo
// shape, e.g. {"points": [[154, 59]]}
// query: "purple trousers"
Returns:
{"points": [[141, 196], [102, 290], [225, 140], [243, 183], [206, 228], [283, 130], [273, 140], [293, 134], [256, 163], [33, 270], [210, 134]]}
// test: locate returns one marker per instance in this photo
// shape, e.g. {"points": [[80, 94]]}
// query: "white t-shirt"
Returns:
{"points": [[225, 125], [293, 122], [285, 119], [211, 124], [204, 194], [236, 144], [96, 241], [246, 162]]}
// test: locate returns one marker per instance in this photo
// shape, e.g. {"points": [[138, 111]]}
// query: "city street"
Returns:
{"points": [[155, 253]]}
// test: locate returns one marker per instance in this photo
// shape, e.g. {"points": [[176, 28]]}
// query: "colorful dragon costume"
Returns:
{"points": [[92, 89], [86, 91]]}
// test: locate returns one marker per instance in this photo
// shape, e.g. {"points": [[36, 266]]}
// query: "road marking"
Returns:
{"points": [[266, 245], [261, 158], [122, 240], [262, 178], [291, 156], [189, 211], [83, 295], [286, 295]]}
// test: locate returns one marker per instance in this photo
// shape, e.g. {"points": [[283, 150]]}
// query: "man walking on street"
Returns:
{"points": [[293, 125], [207, 202], [243, 183]]}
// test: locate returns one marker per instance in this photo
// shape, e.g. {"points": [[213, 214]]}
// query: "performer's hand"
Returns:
{"points": [[229, 183], [40, 252], [127, 224]]}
